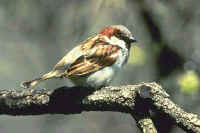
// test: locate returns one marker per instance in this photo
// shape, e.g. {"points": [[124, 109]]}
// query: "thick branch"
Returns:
{"points": [[77, 99]]}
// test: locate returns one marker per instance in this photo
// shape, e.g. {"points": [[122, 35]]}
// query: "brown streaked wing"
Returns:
{"points": [[89, 43], [83, 46], [102, 56]]}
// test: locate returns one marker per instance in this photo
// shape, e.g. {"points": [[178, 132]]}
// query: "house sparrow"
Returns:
{"points": [[94, 62]]}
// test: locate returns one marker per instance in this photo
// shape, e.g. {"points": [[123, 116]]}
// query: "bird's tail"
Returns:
{"points": [[32, 83]]}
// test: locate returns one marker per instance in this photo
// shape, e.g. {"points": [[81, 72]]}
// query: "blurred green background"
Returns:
{"points": [[35, 34]]}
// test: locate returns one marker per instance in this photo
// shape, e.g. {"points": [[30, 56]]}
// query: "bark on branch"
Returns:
{"points": [[133, 99]]}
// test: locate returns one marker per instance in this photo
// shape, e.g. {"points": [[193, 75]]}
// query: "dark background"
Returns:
{"points": [[35, 34]]}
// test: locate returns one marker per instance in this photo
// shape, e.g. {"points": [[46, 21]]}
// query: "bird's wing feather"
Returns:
{"points": [[75, 53], [99, 55]]}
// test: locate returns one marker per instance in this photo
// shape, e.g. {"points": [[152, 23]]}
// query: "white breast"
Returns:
{"points": [[104, 76]]}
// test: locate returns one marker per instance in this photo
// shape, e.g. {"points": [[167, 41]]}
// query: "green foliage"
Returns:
{"points": [[137, 56], [189, 82]]}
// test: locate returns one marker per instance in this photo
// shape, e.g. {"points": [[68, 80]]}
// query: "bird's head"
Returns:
{"points": [[120, 32]]}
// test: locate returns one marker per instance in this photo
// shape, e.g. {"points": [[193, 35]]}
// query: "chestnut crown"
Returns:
{"points": [[120, 32]]}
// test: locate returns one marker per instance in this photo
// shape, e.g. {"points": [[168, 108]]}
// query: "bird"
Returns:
{"points": [[95, 61]]}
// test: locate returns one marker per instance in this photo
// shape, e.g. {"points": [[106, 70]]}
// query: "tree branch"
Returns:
{"points": [[133, 99]]}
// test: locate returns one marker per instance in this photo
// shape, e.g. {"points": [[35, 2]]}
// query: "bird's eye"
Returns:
{"points": [[123, 37]]}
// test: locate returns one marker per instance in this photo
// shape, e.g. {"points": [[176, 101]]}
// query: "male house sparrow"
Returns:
{"points": [[94, 62]]}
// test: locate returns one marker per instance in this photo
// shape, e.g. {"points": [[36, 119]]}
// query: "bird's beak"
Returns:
{"points": [[132, 39]]}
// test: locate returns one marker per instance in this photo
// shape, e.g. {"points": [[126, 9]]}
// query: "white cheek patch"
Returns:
{"points": [[115, 41], [114, 55]]}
